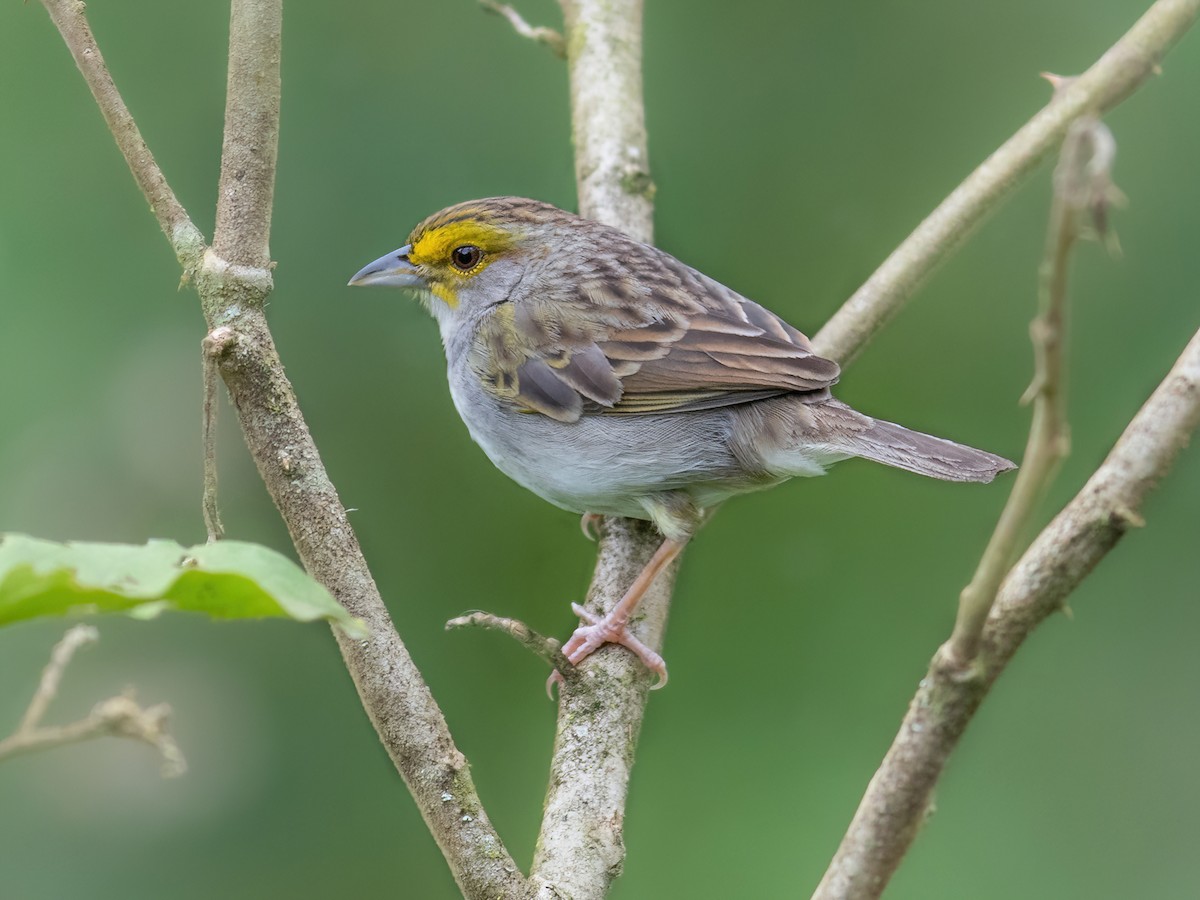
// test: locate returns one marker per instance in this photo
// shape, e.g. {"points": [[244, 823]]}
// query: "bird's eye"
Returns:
{"points": [[466, 257]]}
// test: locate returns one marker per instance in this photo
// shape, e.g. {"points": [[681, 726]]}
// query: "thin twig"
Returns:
{"points": [[233, 279], [60, 657], [186, 240], [1076, 181], [541, 34], [539, 645], [213, 347], [119, 716], [1058, 560], [1119, 72]]}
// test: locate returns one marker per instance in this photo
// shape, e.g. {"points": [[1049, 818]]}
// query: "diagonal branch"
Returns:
{"points": [[539, 645], [233, 280], [580, 848], [394, 694], [1117, 74]]}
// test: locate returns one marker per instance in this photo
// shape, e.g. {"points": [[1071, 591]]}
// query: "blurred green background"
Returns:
{"points": [[794, 144]]}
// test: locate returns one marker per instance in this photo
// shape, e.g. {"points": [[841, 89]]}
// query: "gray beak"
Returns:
{"points": [[391, 270]]}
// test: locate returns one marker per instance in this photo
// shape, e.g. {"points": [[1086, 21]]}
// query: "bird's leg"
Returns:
{"points": [[613, 628]]}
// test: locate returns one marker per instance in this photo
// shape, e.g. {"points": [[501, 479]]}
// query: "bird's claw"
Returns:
{"points": [[555, 678], [590, 525]]}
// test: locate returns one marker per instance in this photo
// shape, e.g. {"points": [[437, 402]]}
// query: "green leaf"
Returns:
{"points": [[226, 580]]}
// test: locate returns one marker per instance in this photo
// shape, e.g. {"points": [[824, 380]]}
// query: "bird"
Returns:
{"points": [[611, 379]]}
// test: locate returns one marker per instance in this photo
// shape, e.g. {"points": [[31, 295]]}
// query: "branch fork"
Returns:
{"points": [[119, 716]]}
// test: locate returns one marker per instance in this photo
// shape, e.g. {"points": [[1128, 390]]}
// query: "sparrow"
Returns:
{"points": [[610, 378]]}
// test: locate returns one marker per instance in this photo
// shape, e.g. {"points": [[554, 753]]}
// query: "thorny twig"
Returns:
{"points": [[1082, 186]]}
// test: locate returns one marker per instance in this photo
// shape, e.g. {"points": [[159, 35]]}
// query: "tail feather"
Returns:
{"points": [[900, 447]]}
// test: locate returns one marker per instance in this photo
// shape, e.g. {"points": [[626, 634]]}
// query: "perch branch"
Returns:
{"points": [[1119, 72], [580, 848], [233, 279], [115, 717], [542, 35], [608, 117]]}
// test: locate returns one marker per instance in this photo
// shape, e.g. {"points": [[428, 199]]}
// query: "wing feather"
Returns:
{"points": [[642, 333]]}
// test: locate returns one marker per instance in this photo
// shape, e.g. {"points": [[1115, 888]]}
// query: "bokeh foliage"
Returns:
{"points": [[794, 144]]}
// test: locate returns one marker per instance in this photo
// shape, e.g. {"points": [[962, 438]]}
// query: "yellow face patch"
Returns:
{"points": [[445, 293], [433, 247]]}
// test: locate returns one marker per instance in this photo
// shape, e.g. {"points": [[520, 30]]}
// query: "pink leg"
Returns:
{"points": [[612, 629]]}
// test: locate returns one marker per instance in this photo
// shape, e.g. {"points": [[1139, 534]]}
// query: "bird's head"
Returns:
{"points": [[468, 257]]}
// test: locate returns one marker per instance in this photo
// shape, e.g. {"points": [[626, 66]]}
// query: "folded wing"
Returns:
{"points": [[651, 336]]}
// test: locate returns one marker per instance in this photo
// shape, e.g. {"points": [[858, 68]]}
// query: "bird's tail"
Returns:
{"points": [[899, 447]]}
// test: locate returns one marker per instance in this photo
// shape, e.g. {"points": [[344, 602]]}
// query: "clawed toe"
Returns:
{"points": [[555, 678], [597, 632], [612, 629], [590, 524]]}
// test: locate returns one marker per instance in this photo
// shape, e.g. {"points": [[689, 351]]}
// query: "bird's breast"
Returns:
{"points": [[601, 463]]}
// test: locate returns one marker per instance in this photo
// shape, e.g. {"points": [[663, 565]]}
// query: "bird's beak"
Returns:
{"points": [[392, 270]]}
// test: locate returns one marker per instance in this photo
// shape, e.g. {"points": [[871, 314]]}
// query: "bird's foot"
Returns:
{"points": [[610, 630]]}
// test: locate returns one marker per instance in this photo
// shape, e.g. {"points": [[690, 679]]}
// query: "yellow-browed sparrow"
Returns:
{"points": [[609, 378]]}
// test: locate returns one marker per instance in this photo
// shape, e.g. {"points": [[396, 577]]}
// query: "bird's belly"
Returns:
{"points": [[604, 463]]}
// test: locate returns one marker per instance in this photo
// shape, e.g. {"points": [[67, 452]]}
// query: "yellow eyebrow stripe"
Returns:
{"points": [[434, 246]]}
